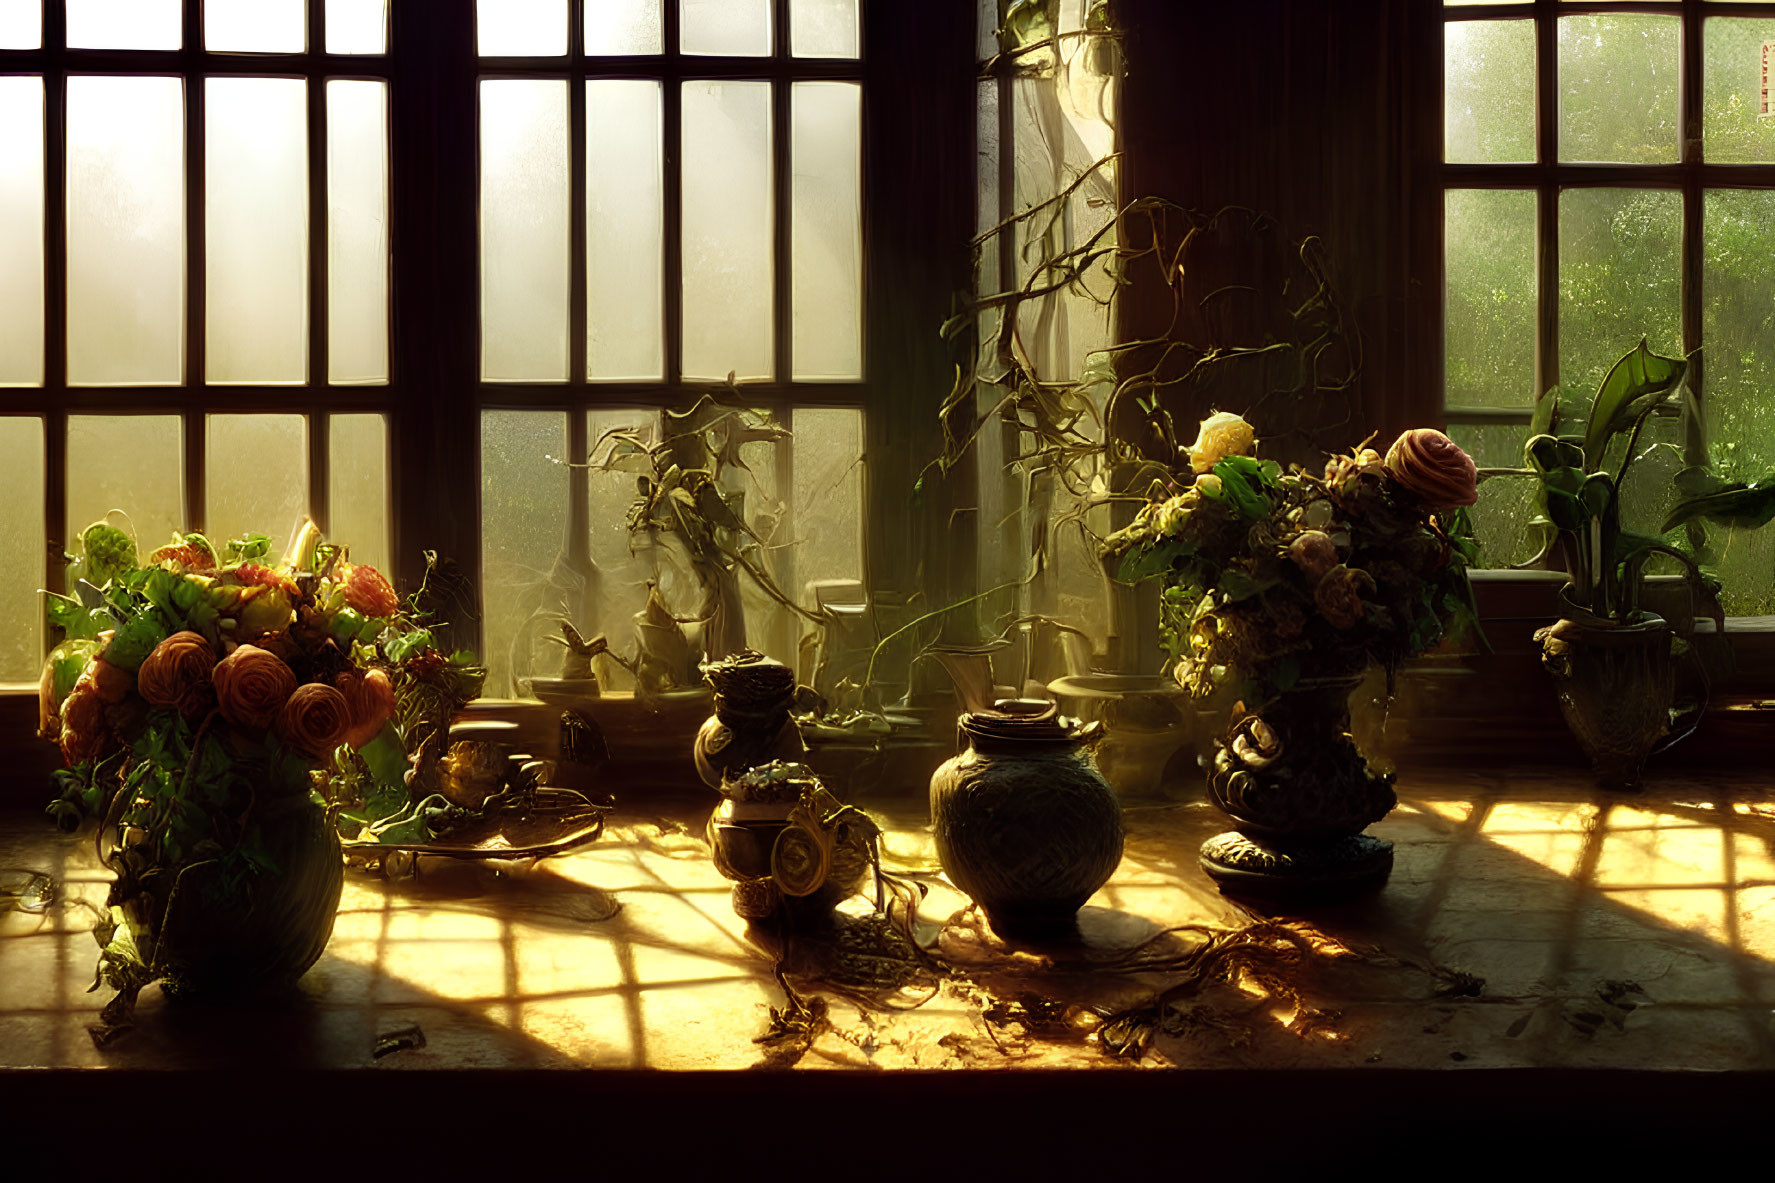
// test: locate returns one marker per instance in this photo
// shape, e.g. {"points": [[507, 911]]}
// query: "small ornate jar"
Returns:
{"points": [[751, 723], [786, 842], [1024, 822]]}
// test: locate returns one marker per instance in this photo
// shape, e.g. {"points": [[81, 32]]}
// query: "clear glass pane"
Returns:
{"points": [[1618, 87], [622, 563], [357, 26], [625, 287], [614, 27], [1738, 91], [823, 28], [1738, 331], [524, 243], [828, 504], [524, 574], [1489, 323], [21, 24], [21, 231], [23, 549], [521, 28], [357, 486], [1619, 278], [256, 229], [126, 231], [255, 26], [1488, 88], [1506, 504], [125, 24], [257, 475], [132, 463], [725, 28], [357, 231], [827, 233], [727, 229]]}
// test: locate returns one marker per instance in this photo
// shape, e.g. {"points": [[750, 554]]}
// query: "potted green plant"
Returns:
{"points": [[1610, 657]]}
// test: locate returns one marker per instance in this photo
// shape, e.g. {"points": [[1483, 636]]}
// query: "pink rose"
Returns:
{"points": [[1433, 468], [370, 699], [314, 720], [1314, 553]]}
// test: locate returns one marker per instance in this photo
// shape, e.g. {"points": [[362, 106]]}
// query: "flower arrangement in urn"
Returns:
{"points": [[1280, 588], [224, 713]]}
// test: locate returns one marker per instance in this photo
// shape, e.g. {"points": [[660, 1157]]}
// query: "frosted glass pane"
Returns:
{"points": [[521, 28], [826, 129], [124, 24], [623, 27], [1618, 87], [21, 24], [1620, 278], [823, 28], [21, 231], [828, 502], [624, 269], [524, 231], [621, 562], [727, 229], [23, 548], [255, 26], [357, 232], [1489, 342], [523, 542], [134, 463], [126, 231], [1738, 95], [737, 28], [357, 26], [357, 486], [256, 229], [257, 469], [1488, 88]]}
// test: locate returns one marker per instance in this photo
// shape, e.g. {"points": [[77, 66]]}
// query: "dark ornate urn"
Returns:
{"points": [[1300, 794], [1024, 822], [751, 723]]}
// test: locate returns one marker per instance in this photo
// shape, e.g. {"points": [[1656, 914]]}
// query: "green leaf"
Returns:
{"points": [[1151, 558], [249, 547], [76, 621], [1236, 487], [400, 647], [1595, 494], [1635, 384], [386, 758], [1746, 506]]}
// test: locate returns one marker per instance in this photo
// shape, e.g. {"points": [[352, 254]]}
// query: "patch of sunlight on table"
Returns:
{"points": [[1698, 910], [420, 971], [706, 1026], [1558, 851], [1752, 858], [552, 962], [593, 1031], [1454, 811], [1756, 920], [1678, 858], [657, 963], [440, 924], [1631, 817], [1520, 816]]}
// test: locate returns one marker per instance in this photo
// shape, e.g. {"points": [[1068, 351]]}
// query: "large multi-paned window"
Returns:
{"points": [[1609, 173], [671, 246], [194, 303]]}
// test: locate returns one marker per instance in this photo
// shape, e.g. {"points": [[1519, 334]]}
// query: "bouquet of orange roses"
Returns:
{"points": [[224, 714]]}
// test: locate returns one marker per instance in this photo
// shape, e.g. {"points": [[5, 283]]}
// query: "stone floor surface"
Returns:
{"points": [[1529, 922]]}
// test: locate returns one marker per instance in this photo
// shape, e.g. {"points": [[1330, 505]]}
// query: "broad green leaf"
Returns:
{"points": [[1635, 384], [1746, 506], [1149, 559], [1595, 494]]}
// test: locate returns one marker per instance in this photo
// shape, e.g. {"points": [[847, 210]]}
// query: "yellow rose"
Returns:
{"points": [[1222, 434]]}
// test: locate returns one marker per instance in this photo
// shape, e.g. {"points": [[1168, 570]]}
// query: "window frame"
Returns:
{"points": [[1547, 177], [194, 397], [782, 393]]}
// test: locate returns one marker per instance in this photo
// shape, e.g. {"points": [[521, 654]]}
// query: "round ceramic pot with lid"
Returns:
{"points": [[1024, 822]]}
